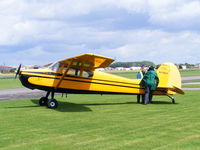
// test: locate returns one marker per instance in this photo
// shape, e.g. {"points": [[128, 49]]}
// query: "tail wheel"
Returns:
{"points": [[173, 101], [172, 98], [43, 101], [52, 103]]}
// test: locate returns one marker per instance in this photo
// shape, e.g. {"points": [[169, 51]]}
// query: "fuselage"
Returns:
{"points": [[95, 82]]}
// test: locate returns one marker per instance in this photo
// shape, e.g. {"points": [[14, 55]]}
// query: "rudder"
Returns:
{"points": [[169, 77]]}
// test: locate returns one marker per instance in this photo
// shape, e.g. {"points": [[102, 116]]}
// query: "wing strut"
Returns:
{"points": [[68, 67]]}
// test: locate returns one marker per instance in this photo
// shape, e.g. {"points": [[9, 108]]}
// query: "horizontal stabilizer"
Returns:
{"points": [[177, 90]]}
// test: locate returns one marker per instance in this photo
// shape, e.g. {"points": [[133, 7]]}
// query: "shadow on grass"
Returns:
{"points": [[72, 107], [67, 107], [163, 102], [99, 104]]}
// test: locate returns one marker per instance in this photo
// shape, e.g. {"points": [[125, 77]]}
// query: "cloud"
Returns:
{"points": [[178, 14], [125, 29], [158, 46]]}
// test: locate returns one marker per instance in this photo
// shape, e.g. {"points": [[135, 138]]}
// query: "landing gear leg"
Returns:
{"points": [[172, 98], [50, 103]]}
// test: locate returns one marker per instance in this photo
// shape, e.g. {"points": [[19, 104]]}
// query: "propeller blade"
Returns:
{"points": [[18, 70]]}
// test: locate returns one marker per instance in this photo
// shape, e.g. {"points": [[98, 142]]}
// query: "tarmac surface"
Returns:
{"points": [[191, 89], [22, 93], [186, 79], [190, 78]]}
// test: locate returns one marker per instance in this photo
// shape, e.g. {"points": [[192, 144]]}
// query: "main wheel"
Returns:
{"points": [[52, 103], [43, 101]]}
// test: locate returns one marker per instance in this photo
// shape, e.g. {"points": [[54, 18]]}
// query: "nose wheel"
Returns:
{"points": [[50, 103]]}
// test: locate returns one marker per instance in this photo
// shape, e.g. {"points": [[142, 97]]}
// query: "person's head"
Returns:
{"points": [[143, 68], [151, 68]]}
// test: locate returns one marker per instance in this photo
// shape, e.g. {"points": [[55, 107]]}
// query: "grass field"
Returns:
{"points": [[10, 83], [108, 122], [131, 75], [192, 72], [184, 73], [191, 86]]}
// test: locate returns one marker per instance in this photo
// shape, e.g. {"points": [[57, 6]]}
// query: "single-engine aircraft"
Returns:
{"points": [[79, 75]]}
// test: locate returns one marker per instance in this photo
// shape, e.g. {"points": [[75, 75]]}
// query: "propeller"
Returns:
{"points": [[18, 70]]}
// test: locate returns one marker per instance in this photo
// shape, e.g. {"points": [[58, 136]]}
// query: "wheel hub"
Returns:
{"points": [[52, 104]]}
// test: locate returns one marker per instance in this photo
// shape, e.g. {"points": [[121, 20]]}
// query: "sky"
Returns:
{"points": [[37, 32]]}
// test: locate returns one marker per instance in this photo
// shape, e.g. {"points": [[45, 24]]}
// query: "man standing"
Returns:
{"points": [[140, 75], [150, 82]]}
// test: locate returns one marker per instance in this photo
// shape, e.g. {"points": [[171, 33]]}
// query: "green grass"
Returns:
{"points": [[191, 85], [7, 76], [108, 122], [131, 75], [192, 72], [10, 83], [184, 73]]}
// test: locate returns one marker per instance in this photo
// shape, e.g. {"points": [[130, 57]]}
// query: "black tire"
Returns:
{"points": [[43, 101], [173, 101], [52, 103]]}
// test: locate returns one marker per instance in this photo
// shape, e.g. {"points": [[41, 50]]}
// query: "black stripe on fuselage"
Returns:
{"points": [[58, 74], [84, 81], [24, 80]]}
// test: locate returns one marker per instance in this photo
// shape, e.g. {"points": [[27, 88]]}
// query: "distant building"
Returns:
{"points": [[197, 66], [183, 67], [5, 69], [135, 68], [119, 68], [100, 69]]}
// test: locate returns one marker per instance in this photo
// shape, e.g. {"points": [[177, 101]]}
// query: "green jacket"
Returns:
{"points": [[150, 80]]}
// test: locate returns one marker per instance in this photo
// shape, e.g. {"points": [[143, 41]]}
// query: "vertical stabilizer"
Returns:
{"points": [[169, 77]]}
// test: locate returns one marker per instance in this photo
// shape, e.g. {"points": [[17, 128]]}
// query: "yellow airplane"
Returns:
{"points": [[79, 75]]}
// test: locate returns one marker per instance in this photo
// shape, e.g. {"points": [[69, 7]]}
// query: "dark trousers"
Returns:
{"points": [[148, 96], [140, 96]]}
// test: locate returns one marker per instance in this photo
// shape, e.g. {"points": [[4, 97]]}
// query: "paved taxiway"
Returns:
{"points": [[20, 93]]}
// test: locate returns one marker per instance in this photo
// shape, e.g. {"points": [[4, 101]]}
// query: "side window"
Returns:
{"points": [[87, 73], [74, 71], [77, 72]]}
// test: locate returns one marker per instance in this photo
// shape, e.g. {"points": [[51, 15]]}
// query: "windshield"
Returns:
{"points": [[55, 66]]}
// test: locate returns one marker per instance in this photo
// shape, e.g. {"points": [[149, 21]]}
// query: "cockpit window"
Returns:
{"points": [[55, 66]]}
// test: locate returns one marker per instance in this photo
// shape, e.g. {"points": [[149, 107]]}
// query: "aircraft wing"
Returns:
{"points": [[92, 61]]}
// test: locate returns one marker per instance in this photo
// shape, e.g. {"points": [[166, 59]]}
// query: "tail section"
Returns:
{"points": [[170, 78]]}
